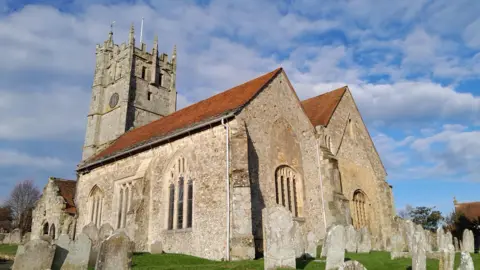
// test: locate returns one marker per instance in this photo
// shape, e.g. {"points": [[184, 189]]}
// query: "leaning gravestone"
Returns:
{"points": [[351, 238], [35, 255], [72, 255], [115, 253], [91, 232], [279, 237], [466, 262], [447, 258], [419, 259], [468, 241], [352, 265], [335, 247], [365, 244]]}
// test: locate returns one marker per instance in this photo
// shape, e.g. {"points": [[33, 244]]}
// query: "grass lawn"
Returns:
{"points": [[8, 249], [372, 261]]}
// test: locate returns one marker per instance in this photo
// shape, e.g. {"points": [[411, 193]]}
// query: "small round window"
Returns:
{"points": [[113, 100]]}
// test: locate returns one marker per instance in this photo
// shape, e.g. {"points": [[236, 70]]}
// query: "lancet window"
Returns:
{"points": [[180, 196], [359, 208], [96, 205], [126, 191]]}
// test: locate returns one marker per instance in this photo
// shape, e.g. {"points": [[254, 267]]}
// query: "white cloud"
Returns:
{"points": [[10, 158], [471, 34]]}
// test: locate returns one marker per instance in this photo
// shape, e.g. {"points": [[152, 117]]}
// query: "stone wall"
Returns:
{"points": [[50, 209], [280, 133], [360, 166], [150, 171]]}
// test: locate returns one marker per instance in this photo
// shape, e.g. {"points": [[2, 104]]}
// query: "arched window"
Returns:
{"points": [[45, 228], [288, 190], [359, 210], [96, 205], [180, 203], [125, 192], [52, 231]]}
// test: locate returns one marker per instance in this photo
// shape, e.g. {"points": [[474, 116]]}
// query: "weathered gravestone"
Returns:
{"points": [[398, 243], [351, 238], [35, 255], [324, 243], [440, 238], [91, 232], [409, 228], [115, 253], [156, 247], [466, 262], [105, 231], [456, 245], [16, 236], [365, 244], [312, 244], [468, 241], [26, 237], [335, 247], [447, 239], [278, 238], [447, 258], [352, 265], [298, 240], [419, 259], [72, 255]]}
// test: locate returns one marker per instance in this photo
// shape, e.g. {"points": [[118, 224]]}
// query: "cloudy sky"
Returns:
{"points": [[413, 67]]}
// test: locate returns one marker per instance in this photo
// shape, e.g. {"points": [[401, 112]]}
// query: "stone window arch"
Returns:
{"points": [[45, 228], [289, 190], [52, 230], [360, 205], [125, 197], [95, 200], [180, 196]]}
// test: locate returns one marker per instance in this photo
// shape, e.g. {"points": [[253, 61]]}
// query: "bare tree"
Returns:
{"points": [[405, 213], [21, 202]]}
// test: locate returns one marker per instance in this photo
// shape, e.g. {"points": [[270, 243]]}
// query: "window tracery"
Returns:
{"points": [[180, 203], [96, 205], [359, 209], [288, 191]]}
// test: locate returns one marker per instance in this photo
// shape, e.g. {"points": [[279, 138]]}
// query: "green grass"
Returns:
{"points": [[8, 249], [372, 261]]}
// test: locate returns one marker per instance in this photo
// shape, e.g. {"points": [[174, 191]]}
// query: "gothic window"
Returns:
{"points": [[359, 210], [288, 190], [96, 204], [180, 204], [52, 231], [144, 71], [45, 229], [125, 192]]}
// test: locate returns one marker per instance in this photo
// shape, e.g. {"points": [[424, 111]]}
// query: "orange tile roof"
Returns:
{"points": [[208, 109], [320, 109], [471, 210], [67, 191]]}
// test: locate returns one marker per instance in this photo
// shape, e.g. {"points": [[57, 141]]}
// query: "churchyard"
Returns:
{"points": [[344, 247]]}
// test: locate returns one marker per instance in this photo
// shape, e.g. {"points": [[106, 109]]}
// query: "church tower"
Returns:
{"points": [[131, 87]]}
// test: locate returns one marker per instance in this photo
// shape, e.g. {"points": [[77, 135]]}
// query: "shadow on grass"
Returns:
{"points": [[301, 263]]}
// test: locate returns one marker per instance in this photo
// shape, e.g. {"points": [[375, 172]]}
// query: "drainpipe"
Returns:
{"points": [[228, 187], [321, 186]]}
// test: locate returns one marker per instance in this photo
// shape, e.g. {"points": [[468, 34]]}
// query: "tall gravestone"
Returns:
{"points": [[115, 253], [419, 259], [447, 258], [37, 254], [312, 244], [335, 247], [91, 232], [440, 238], [365, 244], [468, 241], [278, 238], [466, 262], [352, 240], [455, 244], [72, 255]]}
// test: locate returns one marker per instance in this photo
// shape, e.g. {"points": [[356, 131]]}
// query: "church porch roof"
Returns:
{"points": [[67, 191]]}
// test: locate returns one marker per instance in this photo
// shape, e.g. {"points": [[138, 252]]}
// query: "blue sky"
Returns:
{"points": [[413, 67]]}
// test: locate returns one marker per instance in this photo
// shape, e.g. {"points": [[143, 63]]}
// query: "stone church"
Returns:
{"points": [[196, 179]]}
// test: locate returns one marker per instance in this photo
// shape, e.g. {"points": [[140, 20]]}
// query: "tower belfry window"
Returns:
{"points": [[149, 95], [144, 72]]}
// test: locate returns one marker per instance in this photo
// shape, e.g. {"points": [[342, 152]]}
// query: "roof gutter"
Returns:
{"points": [[154, 142]]}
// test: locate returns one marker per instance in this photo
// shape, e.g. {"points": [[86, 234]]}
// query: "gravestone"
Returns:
{"points": [[353, 265], [335, 247], [447, 239], [105, 231], [72, 255], [440, 238], [468, 241], [419, 259], [456, 245], [26, 237], [398, 243], [466, 262], [351, 237], [365, 244], [312, 244], [37, 254], [324, 243], [278, 237], [156, 247], [409, 231], [447, 258], [115, 253], [16, 236], [298, 240], [91, 232]]}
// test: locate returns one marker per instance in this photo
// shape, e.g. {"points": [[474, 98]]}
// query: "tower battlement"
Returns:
{"points": [[132, 86]]}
